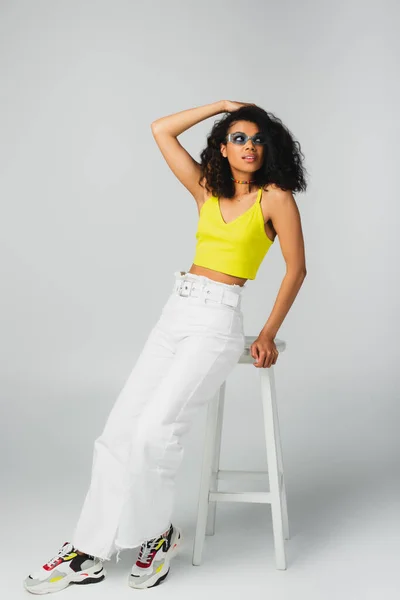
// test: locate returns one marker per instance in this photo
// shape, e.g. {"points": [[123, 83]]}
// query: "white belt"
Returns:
{"points": [[211, 292]]}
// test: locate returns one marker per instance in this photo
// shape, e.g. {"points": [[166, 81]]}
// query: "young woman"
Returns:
{"points": [[243, 188]]}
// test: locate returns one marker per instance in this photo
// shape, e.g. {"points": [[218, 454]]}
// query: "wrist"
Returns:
{"points": [[267, 334]]}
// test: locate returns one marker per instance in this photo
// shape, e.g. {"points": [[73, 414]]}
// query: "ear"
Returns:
{"points": [[223, 149]]}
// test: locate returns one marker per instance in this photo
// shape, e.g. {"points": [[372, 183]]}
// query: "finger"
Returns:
{"points": [[274, 358], [260, 354], [261, 358], [270, 360]]}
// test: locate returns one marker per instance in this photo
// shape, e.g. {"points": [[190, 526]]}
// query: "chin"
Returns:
{"points": [[248, 168]]}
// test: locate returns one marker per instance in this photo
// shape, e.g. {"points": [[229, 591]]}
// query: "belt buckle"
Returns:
{"points": [[186, 286]]}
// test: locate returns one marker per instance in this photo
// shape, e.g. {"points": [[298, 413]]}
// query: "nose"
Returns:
{"points": [[250, 144]]}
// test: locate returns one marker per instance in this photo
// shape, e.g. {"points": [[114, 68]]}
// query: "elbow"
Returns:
{"points": [[302, 270], [158, 128], [155, 126], [298, 273]]}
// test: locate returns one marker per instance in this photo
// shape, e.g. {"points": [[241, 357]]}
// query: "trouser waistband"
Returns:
{"points": [[189, 284]]}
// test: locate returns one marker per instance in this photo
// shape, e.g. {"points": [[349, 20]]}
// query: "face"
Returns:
{"points": [[236, 152]]}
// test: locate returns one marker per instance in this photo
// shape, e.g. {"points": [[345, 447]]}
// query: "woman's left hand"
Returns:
{"points": [[263, 349]]}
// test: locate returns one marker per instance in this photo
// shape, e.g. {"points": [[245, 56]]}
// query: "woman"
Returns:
{"points": [[243, 188]]}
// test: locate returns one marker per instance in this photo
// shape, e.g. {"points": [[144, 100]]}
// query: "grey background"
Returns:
{"points": [[94, 224]]}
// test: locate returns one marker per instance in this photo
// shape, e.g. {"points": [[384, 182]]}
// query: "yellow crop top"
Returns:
{"points": [[236, 248]]}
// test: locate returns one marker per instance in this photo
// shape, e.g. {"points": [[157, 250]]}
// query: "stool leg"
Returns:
{"points": [[285, 516], [210, 529], [208, 453], [271, 426]]}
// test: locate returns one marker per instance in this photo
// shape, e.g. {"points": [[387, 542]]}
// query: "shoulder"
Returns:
{"points": [[278, 195], [279, 205], [276, 191]]}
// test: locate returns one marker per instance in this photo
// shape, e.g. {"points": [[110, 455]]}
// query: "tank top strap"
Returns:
{"points": [[259, 194]]}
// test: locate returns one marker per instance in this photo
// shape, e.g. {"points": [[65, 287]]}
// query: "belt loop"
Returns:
{"points": [[220, 291], [223, 290], [202, 292]]}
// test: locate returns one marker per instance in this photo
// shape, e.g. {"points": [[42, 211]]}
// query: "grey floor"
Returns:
{"points": [[344, 541]]}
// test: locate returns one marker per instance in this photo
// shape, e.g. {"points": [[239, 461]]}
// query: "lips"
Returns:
{"points": [[249, 157]]}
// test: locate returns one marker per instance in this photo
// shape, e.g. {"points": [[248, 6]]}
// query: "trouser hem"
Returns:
{"points": [[117, 548]]}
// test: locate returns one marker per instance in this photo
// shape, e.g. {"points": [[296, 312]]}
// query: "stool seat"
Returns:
{"points": [[211, 474], [249, 339]]}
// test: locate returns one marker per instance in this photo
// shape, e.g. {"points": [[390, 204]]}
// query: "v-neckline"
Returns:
{"points": [[241, 215]]}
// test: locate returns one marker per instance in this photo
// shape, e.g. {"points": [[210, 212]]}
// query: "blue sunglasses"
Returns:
{"points": [[241, 138]]}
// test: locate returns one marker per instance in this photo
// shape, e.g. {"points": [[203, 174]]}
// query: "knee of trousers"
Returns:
{"points": [[114, 445], [158, 445]]}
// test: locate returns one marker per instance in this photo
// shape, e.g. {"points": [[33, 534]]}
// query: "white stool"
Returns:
{"points": [[211, 473]]}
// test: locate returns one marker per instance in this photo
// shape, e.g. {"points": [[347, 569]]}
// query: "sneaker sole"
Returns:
{"points": [[96, 574], [161, 575]]}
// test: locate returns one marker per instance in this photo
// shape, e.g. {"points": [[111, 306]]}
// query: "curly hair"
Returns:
{"points": [[282, 164]]}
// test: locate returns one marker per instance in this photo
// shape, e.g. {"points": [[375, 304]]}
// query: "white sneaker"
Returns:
{"points": [[64, 568], [152, 565]]}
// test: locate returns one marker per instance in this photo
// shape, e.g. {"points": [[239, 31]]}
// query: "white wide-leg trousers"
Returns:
{"points": [[189, 353]]}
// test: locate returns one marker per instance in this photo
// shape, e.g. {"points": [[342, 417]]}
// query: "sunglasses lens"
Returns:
{"points": [[241, 138], [238, 138]]}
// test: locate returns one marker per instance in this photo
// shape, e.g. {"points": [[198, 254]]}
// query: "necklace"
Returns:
{"points": [[239, 181]]}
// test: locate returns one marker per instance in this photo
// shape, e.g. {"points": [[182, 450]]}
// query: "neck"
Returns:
{"points": [[242, 189]]}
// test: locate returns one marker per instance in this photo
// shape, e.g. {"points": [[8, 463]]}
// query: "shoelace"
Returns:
{"points": [[66, 548], [148, 547]]}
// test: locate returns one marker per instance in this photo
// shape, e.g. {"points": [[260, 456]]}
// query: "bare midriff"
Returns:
{"points": [[216, 275]]}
